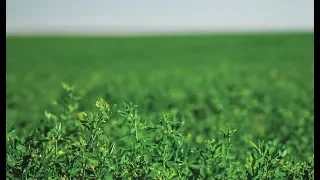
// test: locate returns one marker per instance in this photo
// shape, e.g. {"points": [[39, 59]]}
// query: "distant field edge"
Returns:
{"points": [[237, 33]]}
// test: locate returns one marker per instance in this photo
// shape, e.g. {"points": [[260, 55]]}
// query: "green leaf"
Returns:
{"points": [[230, 157], [82, 141], [254, 145], [93, 160], [280, 174], [66, 87], [111, 149], [21, 148], [9, 158], [253, 164], [78, 124], [153, 173], [195, 166], [11, 134]]}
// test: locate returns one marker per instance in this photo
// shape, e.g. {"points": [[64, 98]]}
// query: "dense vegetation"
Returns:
{"points": [[167, 107]]}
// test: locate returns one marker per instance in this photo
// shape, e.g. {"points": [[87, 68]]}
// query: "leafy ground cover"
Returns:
{"points": [[167, 107]]}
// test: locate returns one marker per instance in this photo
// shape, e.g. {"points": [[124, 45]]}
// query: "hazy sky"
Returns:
{"points": [[147, 15]]}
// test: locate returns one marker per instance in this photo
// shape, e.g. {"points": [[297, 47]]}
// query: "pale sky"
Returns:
{"points": [[157, 15]]}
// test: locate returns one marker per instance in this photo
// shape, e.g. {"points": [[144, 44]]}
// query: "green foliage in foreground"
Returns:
{"points": [[116, 142], [209, 107]]}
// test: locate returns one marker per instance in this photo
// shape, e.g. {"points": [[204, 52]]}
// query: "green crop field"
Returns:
{"points": [[237, 106]]}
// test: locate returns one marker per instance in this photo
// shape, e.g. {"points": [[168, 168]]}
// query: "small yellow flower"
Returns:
{"points": [[107, 106], [97, 103], [102, 149], [92, 166], [33, 155], [84, 142], [53, 140], [60, 152]]}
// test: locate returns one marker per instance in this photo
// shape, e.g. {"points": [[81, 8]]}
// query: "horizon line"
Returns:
{"points": [[130, 30]]}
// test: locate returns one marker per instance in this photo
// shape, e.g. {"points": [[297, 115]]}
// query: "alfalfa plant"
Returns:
{"points": [[153, 149], [53, 151]]}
